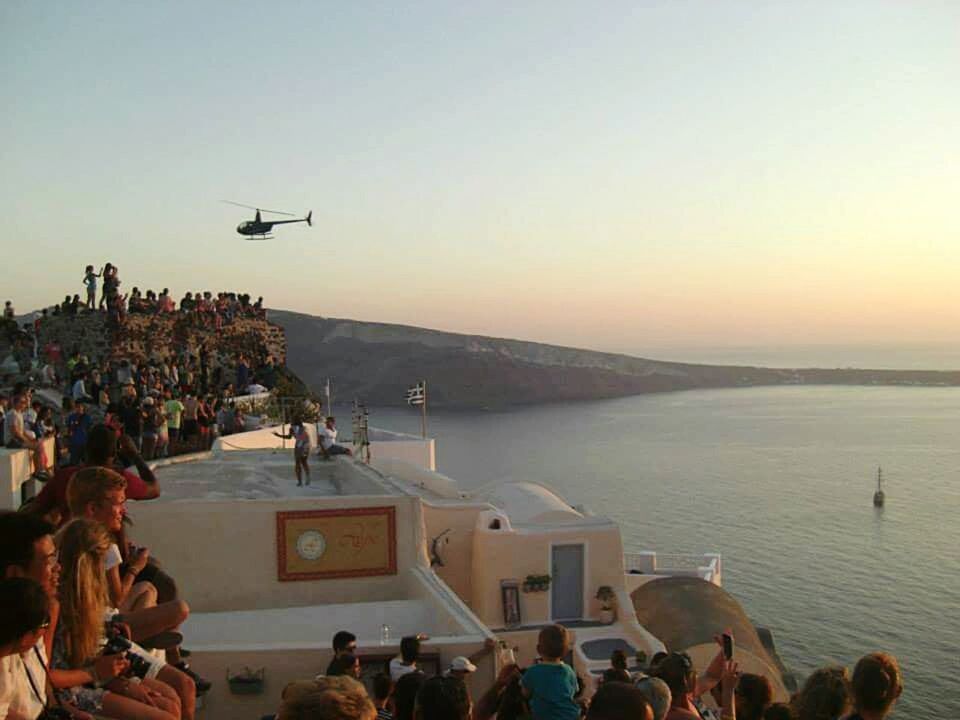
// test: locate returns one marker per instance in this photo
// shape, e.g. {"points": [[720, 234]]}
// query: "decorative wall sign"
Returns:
{"points": [[350, 542]]}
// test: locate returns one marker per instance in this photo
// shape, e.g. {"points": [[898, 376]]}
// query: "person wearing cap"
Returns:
{"points": [[151, 427], [460, 667]]}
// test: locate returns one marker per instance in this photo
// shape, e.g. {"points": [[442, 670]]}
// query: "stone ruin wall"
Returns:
{"points": [[145, 337]]}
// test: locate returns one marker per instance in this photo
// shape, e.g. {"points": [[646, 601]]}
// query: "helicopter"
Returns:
{"points": [[257, 226]]}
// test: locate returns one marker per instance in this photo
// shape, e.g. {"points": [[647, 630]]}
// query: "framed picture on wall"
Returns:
{"points": [[341, 543], [510, 597]]}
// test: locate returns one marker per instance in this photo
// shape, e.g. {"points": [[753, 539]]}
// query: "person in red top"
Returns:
{"points": [[102, 449]]}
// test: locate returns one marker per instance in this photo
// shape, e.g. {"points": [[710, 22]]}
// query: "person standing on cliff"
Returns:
{"points": [[90, 281]]}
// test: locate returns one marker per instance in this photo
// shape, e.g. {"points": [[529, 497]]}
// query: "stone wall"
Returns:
{"points": [[143, 337]]}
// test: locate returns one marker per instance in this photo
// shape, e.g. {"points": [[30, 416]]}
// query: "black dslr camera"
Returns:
{"points": [[118, 645], [54, 713]]}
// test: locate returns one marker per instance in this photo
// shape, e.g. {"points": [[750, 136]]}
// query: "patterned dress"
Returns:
{"points": [[84, 697]]}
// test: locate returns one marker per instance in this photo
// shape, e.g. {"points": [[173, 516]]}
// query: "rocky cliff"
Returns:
{"points": [[377, 362]]}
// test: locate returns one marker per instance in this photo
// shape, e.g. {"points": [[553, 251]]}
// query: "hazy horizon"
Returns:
{"points": [[659, 175]]}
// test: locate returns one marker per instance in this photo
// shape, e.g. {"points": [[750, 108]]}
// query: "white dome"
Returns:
{"points": [[531, 504]]}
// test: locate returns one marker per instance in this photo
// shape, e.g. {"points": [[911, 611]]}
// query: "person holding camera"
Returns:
{"points": [[127, 682]]}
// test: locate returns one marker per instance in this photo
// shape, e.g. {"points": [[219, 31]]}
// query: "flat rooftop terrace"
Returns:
{"points": [[262, 474]]}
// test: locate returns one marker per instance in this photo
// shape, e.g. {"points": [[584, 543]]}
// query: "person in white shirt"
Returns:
{"points": [[328, 440], [15, 434], [25, 609], [79, 391], [406, 662]]}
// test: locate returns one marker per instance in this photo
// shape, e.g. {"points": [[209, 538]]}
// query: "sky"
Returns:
{"points": [[632, 177]]}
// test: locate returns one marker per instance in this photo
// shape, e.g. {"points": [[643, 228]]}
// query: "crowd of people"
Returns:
{"points": [[89, 620], [202, 306], [167, 405], [670, 688]]}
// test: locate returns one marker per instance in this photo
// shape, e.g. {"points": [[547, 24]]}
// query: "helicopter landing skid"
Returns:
{"points": [[258, 239]]}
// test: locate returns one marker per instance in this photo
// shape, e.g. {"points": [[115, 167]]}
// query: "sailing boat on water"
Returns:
{"points": [[878, 496]]}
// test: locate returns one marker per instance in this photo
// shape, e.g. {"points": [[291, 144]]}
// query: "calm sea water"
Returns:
{"points": [[780, 481]]}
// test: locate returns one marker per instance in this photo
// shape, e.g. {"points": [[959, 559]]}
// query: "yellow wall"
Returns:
{"points": [[223, 553], [456, 548], [500, 555]]}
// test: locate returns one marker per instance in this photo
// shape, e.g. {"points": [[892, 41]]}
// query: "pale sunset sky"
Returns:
{"points": [[620, 176]]}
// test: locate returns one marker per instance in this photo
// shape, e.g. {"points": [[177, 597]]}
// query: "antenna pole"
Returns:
{"points": [[423, 412]]}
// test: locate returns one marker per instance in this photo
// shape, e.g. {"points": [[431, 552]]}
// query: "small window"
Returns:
{"points": [[495, 524]]}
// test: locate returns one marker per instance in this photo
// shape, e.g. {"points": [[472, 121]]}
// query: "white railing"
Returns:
{"points": [[706, 566]]}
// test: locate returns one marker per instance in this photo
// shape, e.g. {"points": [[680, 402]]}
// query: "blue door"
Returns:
{"points": [[567, 584]]}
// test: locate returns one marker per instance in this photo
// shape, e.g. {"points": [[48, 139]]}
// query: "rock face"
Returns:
{"points": [[143, 337], [376, 362]]}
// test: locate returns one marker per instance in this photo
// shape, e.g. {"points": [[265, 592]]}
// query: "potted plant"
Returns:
{"points": [[607, 598], [536, 583]]}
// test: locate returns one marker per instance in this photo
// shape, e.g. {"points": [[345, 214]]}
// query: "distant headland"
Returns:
{"points": [[377, 361]]}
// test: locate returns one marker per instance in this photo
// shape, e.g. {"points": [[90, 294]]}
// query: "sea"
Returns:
{"points": [[780, 481]]}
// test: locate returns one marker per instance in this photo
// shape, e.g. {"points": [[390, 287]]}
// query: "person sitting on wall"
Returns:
{"points": [[343, 643], [97, 494], [16, 436], [328, 440]]}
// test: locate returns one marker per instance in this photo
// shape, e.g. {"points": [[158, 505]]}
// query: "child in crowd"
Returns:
{"points": [[551, 684]]}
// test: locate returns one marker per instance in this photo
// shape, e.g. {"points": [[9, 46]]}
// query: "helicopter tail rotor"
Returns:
{"points": [[310, 218]]}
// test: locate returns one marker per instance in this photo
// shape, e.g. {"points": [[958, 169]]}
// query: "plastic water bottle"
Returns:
{"points": [[384, 634]]}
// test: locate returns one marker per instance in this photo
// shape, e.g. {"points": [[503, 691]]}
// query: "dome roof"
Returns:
{"points": [[527, 503]]}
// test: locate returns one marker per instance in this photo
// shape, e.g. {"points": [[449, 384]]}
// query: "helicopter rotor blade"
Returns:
{"points": [[251, 207]]}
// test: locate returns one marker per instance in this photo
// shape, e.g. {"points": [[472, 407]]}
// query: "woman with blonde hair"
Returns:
{"points": [[327, 698], [164, 693]]}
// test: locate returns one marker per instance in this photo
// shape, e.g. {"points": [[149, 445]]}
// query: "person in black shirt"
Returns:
{"points": [[131, 415]]}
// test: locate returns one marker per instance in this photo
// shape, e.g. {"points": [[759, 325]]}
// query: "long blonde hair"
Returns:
{"points": [[83, 587]]}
